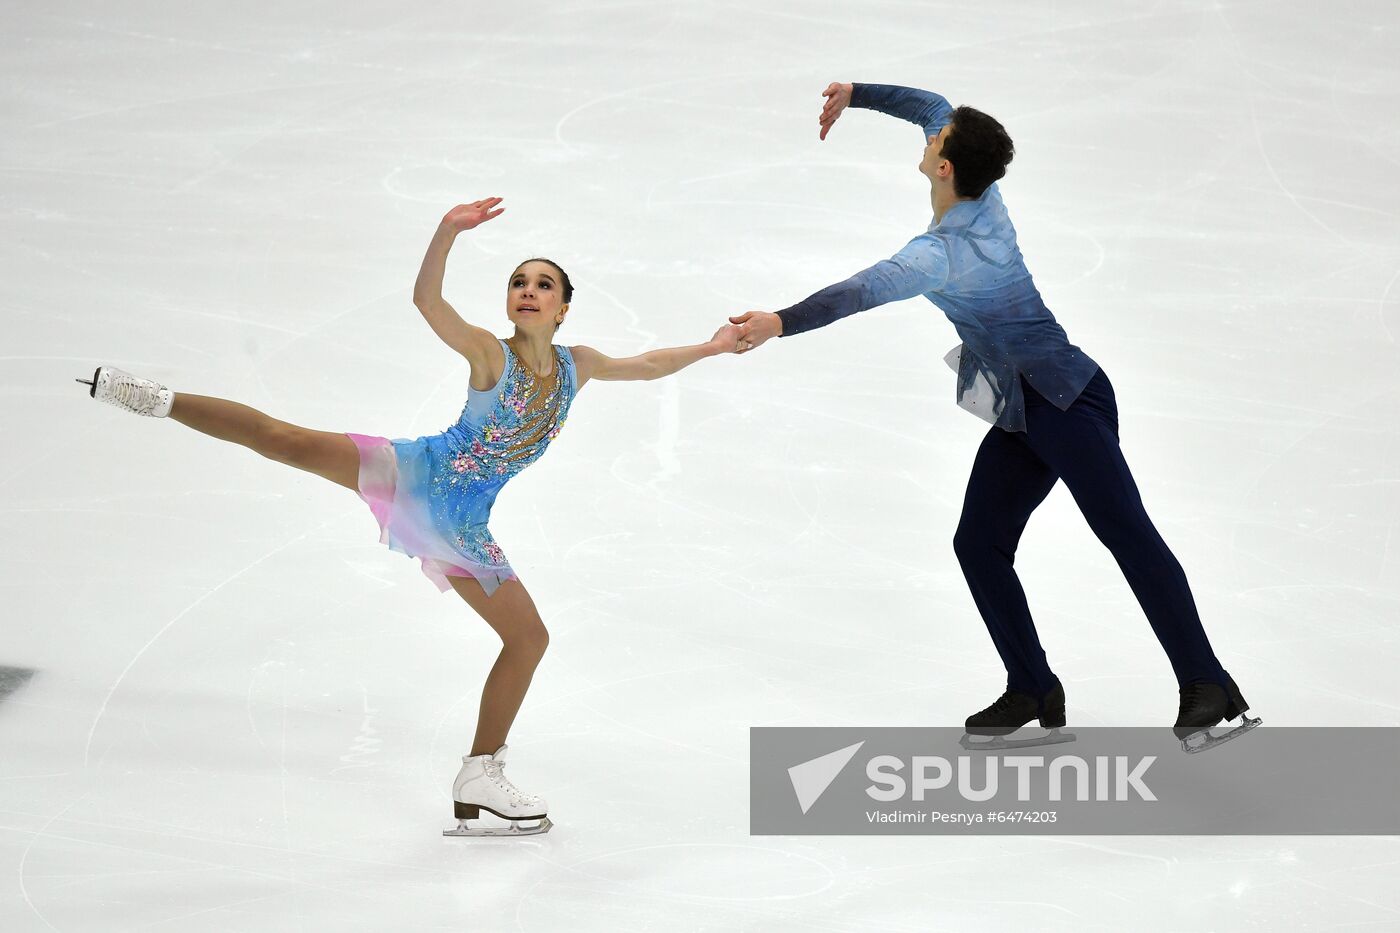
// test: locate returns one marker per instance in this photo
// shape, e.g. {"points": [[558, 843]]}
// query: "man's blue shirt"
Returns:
{"points": [[968, 265]]}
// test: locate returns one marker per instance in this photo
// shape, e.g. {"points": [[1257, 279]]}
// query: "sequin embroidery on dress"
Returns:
{"points": [[481, 457], [432, 496]]}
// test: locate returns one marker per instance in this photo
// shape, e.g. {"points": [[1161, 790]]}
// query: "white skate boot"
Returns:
{"points": [[130, 393], [480, 785]]}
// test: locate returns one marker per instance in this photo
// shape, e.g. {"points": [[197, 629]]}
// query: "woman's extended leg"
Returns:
{"points": [[324, 453], [512, 613]]}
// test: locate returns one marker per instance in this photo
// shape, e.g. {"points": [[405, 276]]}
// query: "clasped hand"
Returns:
{"points": [[746, 331]]}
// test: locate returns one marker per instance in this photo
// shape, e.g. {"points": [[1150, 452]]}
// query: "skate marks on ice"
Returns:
{"points": [[366, 744]]}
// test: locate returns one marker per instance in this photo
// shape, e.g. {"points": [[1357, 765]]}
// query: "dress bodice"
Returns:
{"points": [[505, 428]]}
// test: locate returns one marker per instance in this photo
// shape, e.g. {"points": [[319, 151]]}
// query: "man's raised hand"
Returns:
{"points": [[838, 96]]}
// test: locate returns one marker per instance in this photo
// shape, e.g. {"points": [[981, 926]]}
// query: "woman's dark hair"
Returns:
{"points": [[565, 286], [979, 149]]}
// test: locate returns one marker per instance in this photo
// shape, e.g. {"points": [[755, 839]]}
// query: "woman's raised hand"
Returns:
{"points": [[465, 216], [838, 96]]}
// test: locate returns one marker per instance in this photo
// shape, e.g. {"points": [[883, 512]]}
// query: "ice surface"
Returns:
{"points": [[245, 713]]}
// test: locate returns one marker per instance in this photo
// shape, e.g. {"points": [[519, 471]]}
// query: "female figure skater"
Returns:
{"points": [[432, 496], [1051, 407]]}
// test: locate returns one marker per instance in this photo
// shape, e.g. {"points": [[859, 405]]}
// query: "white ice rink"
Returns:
{"points": [[227, 707]]}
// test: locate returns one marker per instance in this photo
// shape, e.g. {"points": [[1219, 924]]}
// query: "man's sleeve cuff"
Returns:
{"points": [[788, 323]]}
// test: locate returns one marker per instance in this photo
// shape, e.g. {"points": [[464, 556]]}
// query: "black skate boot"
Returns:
{"points": [[1204, 706], [1011, 711]]}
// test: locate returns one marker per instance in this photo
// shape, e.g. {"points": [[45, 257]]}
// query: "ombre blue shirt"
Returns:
{"points": [[968, 265]]}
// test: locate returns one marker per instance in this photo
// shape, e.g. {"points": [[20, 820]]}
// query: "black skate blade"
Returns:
{"points": [[1206, 740], [985, 743], [92, 393]]}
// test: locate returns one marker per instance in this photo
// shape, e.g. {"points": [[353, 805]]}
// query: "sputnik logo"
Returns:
{"points": [[811, 778]]}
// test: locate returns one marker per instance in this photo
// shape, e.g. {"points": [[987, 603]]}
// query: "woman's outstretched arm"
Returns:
{"points": [[591, 364], [475, 343]]}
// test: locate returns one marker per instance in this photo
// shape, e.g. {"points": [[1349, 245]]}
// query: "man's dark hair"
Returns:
{"points": [[566, 288], [979, 149]]}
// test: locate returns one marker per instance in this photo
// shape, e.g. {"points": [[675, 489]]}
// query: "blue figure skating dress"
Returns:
{"points": [[432, 496]]}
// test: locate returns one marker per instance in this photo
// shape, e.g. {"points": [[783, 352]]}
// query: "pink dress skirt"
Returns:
{"points": [[432, 495], [403, 507]]}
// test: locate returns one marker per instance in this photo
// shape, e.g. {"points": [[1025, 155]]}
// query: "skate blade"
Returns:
{"points": [[987, 743], [1206, 740], [514, 829]]}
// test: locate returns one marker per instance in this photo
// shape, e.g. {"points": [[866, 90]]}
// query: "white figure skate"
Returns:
{"points": [[130, 393], [480, 785]]}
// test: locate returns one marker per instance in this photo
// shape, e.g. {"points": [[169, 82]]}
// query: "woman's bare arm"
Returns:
{"points": [[477, 344], [592, 364]]}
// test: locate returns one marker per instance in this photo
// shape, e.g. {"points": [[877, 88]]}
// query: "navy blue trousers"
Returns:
{"points": [[1012, 474]]}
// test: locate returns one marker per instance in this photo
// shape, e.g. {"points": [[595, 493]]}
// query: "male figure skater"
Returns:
{"points": [[1052, 410]]}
